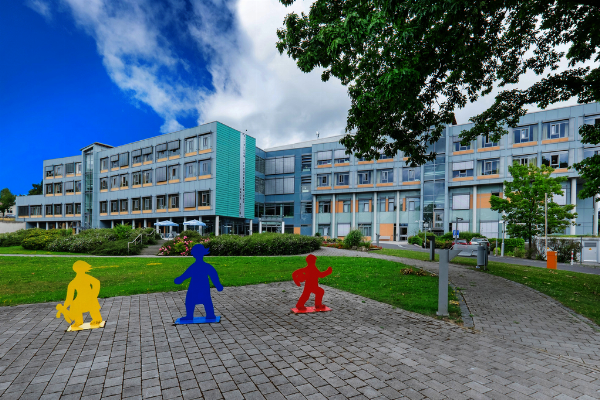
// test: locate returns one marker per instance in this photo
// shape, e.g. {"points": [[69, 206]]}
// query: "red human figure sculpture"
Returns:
{"points": [[310, 275]]}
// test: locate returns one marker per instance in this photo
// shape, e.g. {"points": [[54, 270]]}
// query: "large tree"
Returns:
{"points": [[523, 202], [409, 64], [37, 189], [7, 200]]}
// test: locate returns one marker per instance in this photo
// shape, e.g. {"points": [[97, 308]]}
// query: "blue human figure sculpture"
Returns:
{"points": [[199, 289]]}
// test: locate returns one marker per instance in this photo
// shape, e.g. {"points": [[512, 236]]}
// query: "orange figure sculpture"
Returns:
{"points": [[87, 288], [311, 275]]}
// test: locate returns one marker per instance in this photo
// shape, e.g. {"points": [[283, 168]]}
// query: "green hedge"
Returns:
{"points": [[259, 244], [17, 238], [39, 239], [509, 244], [117, 248]]}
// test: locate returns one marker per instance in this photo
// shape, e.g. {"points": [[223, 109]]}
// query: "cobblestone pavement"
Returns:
{"points": [[362, 349], [516, 312]]}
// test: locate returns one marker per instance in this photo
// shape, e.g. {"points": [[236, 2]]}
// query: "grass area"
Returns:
{"points": [[578, 291], [21, 250], [37, 280]]}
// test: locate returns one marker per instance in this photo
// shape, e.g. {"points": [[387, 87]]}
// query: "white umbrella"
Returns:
{"points": [[194, 222]]}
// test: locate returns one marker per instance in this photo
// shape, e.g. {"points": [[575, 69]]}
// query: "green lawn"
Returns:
{"points": [[580, 292], [44, 279], [21, 250]]}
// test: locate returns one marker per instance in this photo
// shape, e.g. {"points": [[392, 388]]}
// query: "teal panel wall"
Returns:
{"points": [[227, 178], [250, 176]]}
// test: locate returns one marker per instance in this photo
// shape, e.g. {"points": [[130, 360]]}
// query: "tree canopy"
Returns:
{"points": [[409, 65], [37, 189], [523, 202], [7, 200]]}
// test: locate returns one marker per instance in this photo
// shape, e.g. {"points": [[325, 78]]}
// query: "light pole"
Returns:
{"points": [[456, 226], [501, 222]]}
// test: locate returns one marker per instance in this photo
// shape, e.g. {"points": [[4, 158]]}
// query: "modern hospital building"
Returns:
{"points": [[216, 174]]}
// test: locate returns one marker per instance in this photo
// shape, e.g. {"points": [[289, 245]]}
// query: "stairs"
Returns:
{"points": [[152, 250]]}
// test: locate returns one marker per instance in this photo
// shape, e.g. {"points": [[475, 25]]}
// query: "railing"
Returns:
{"points": [[141, 237]]}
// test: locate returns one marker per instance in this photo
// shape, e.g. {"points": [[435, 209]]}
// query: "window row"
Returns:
{"points": [[284, 210], [194, 169], [58, 188], [59, 170], [161, 202], [382, 176], [50, 210], [343, 229], [384, 204], [279, 165]]}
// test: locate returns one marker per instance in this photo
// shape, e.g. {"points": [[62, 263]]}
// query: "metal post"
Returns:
{"points": [[545, 223], [432, 249], [377, 239], [503, 236], [443, 283]]}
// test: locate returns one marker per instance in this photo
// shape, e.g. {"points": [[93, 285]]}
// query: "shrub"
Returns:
{"points": [[180, 246], [190, 234], [519, 252], [39, 239], [86, 242], [117, 248], [415, 240], [509, 244], [122, 231], [353, 238]]}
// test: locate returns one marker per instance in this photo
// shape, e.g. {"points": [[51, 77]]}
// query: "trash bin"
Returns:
{"points": [[550, 259]]}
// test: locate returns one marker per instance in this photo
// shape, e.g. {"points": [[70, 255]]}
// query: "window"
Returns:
{"points": [[49, 188], [161, 202], [69, 187], [204, 141], [413, 204], [136, 156], [560, 199], [410, 174], [346, 206], [259, 185], [103, 207], [124, 180], [124, 159], [323, 180], [173, 172], [587, 153], [104, 164], [49, 172], [461, 202], [324, 207], [259, 164], [161, 151], [306, 162], [49, 210], [279, 165], [173, 201], [555, 130], [381, 204], [324, 157], [342, 179], [458, 146], [114, 206], [77, 186], [525, 134], [189, 199], [489, 229], [343, 229], [147, 203], [383, 156], [147, 176], [461, 226], [147, 154], [58, 209], [161, 174], [58, 170], [204, 167], [340, 156], [365, 229], [123, 205], [190, 145], [114, 181], [306, 207], [136, 178], [279, 185], [173, 148], [36, 210], [77, 208], [323, 230], [364, 205], [58, 188], [78, 168], [525, 160], [364, 177], [386, 175], [486, 141], [103, 183], [305, 184], [70, 168], [391, 204], [114, 161], [462, 169], [190, 170], [204, 198], [135, 204], [490, 167], [556, 160], [23, 211], [69, 209]]}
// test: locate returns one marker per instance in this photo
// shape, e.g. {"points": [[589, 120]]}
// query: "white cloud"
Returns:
{"points": [[41, 7]]}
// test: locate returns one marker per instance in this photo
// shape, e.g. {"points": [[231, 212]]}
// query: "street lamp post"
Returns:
{"points": [[501, 222], [456, 226]]}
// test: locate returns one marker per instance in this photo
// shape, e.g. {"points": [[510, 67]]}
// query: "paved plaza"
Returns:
{"points": [[523, 345]]}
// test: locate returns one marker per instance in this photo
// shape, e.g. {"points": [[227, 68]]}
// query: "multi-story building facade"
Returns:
{"points": [[311, 186]]}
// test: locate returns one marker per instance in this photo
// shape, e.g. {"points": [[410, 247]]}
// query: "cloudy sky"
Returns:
{"points": [[80, 71]]}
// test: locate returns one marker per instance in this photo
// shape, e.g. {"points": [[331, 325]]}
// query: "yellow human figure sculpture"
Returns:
{"points": [[87, 288]]}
